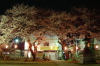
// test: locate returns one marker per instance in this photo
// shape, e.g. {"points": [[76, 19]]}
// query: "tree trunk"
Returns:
{"points": [[65, 52], [67, 55], [33, 53]]}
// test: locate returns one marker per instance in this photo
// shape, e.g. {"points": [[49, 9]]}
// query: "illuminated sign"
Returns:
{"points": [[48, 48]]}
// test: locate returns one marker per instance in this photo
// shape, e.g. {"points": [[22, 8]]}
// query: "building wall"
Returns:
{"points": [[50, 51]]}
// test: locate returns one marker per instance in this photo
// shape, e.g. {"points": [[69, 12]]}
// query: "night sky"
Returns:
{"points": [[51, 4]]}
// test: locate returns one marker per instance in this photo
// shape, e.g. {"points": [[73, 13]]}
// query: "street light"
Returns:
{"points": [[15, 46], [65, 48], [96, 46], [6, 46], [76, 47], [17, 40]]}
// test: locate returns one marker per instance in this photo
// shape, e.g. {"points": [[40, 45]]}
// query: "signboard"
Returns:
{"points": [[41, 48]]}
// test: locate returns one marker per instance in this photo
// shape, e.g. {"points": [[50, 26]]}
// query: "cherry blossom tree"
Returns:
{"points": [[24, 21], [18, 21], [78, 23]]}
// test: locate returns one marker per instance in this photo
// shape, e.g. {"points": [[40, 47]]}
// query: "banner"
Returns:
{"points": [[48, 48]]}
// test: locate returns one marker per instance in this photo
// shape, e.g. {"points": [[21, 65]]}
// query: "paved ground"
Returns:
{"points": [[44, 63]]}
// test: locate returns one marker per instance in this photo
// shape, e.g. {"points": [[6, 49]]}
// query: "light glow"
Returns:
{"points": [[16, 40], [6, 46], [15, 46], [65, 48], [76, 48], [97, 46]]}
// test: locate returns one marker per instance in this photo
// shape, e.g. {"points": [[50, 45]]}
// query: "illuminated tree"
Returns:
{"points": [[18, 21], [79, 22], [24, 21]]}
